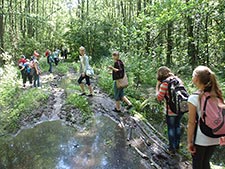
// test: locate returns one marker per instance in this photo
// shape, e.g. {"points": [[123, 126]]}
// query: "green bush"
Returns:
{"points": [[81, 103]]}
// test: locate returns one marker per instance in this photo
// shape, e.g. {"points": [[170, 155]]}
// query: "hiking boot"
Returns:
{"points": [[82, 94], [117, 111]]}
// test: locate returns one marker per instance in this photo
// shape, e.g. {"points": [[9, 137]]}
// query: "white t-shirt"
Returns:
{"points": [[201, 139]]}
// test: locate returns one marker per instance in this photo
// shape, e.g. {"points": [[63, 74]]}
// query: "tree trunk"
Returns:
{"points": [[191, 44], [138, 7], [123, 12], [206, 39], [169, 44], [1, 28]]}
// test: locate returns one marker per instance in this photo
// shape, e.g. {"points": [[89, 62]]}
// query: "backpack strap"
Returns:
{"points": [[204, 107]]}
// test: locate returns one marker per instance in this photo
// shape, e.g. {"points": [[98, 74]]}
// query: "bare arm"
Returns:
{"points": [[114, 69], [191, 127], [157, 87]]}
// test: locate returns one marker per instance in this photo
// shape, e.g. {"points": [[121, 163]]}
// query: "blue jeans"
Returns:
{"points": [[174, 131], [50, 67], [36, 80]]}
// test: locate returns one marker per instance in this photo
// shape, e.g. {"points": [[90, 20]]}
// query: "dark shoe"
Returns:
{"points": [[171, 151], [82, 94], [117, 111], [129, 107], [90, 95]]}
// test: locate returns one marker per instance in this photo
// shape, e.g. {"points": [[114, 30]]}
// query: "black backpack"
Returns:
{"points": [[178, 97]]}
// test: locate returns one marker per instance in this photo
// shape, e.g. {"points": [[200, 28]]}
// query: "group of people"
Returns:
{"points": [[200, 145], [116, 72], [30, 69]]}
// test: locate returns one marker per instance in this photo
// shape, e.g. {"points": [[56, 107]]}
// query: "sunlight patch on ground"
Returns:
{"points": [[217, 167]]}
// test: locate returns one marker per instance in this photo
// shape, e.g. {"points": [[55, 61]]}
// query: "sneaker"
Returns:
{"points": [[82, 94], [117, 111]]}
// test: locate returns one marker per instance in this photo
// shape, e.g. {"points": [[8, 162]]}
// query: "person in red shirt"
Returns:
{"points": [[164, 75]]}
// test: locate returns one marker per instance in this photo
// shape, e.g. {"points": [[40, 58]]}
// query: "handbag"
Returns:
{"points": [[90, 72], [122, 83]]}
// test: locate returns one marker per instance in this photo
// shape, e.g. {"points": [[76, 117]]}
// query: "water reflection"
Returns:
{"points": [[53, 145]]}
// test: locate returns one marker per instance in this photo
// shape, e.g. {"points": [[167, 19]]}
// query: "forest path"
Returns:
{"points": [[108, 140]]}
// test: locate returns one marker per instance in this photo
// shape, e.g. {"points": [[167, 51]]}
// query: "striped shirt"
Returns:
{"points": [[163, 93]]}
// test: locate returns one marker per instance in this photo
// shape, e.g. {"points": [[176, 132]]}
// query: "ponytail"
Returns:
{"points": [[208, 78], [215, 89]]}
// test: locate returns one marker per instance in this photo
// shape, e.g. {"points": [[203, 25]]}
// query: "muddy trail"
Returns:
{"points": [[109, 140]]}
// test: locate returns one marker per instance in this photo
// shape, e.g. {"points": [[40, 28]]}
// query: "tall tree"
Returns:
{"points": [[191, 44], [1, 26]]}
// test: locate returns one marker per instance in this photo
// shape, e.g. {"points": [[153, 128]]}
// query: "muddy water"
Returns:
{"points": [[53, 145]]}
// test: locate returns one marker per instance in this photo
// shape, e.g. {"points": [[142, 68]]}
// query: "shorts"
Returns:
{"points": [[87, 78], [118, 93]]}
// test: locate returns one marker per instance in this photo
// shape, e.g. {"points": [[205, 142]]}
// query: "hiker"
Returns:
{"points": [[56, 56], [27, 69], [21, 63], [37, 70], [84, 67], [118, 72], [199, 145], [50, 59], [64, 53], [164, 76]]}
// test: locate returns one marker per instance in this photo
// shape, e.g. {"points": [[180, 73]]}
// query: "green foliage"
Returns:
{"points": [[16, 103], [81, 103], [26, 102]]}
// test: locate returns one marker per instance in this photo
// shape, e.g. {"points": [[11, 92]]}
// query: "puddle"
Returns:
{"points": [[53, 145]]}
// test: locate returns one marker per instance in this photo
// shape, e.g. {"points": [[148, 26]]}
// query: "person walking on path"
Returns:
{"points": [[37, 70], [117, 70], [164, 75], [21, 63], [50, 59], [84, 67], [199, 145]]}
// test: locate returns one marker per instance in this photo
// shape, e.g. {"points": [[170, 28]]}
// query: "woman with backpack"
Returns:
{"points": [[199, 145], [84, 70], [164, 76], [117, 70], [37, 70]]}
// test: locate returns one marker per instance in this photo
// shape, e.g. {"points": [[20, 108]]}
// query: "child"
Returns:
{"points": [[37, 70], [199, 145], [118, 73], [164, 74], [84, 66]]}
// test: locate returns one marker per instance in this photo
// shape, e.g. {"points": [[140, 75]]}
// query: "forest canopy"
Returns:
{"points": [[184, 33]]}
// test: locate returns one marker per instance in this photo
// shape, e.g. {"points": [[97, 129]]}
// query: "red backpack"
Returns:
{"points": [[212, 121]]}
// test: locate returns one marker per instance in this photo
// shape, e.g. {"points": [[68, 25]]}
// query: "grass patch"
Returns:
{"points": [[82, 104]]}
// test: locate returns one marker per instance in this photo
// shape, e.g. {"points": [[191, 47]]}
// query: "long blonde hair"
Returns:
{"points": [[208, 78]]}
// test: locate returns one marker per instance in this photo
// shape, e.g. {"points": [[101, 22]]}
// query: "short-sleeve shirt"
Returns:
{"points": [[118, 65], [201, 139]]}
